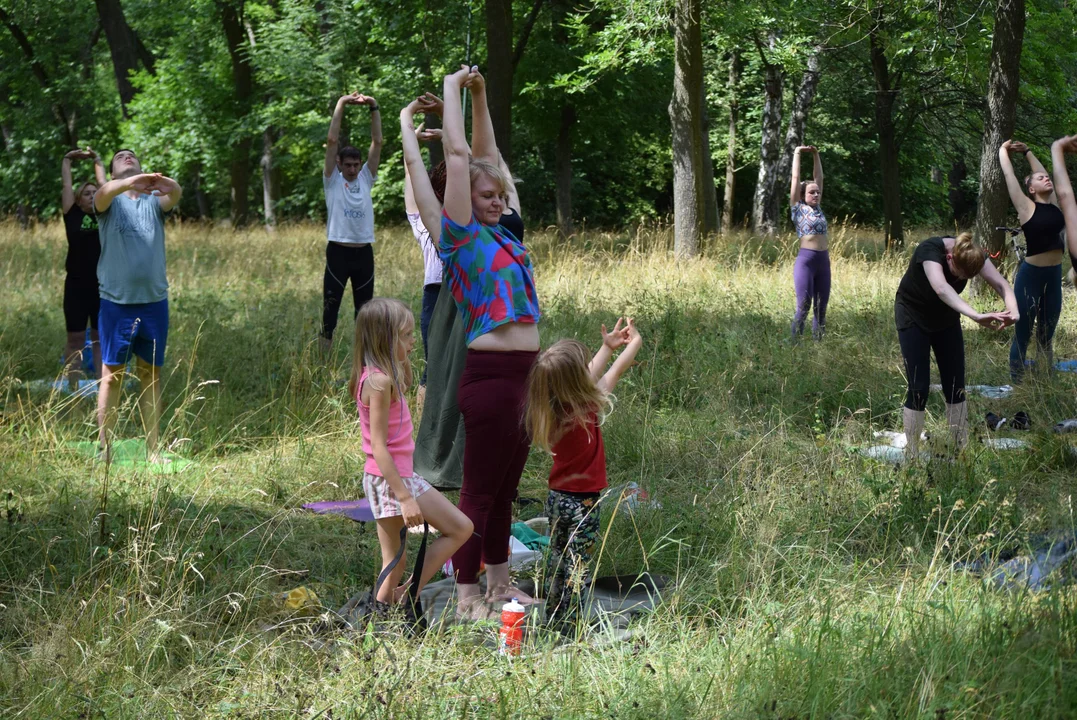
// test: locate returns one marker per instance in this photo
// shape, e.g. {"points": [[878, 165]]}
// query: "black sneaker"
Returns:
{"points": [[1021, 421], [994, 422]]}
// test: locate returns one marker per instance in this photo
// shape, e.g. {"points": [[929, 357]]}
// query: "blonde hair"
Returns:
{"points": [[378, 327], [83, 187], [482, 167], [560, 393], [969, 257]]}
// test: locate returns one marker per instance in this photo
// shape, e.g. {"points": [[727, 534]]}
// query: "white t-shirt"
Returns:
{"points": [[351, 213], [432, 265]]}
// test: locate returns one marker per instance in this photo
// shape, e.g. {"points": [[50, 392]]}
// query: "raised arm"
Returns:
{"points": [[1021, 202], [948, 295], [332, 142], [1064, 188], [143, 183], [817, 171], [417, 189], [794, 185], [98, 168], [454, 142], [483, 142], [610, 342], [67, 194], [170, 192], [624, 361], [373, 156]]}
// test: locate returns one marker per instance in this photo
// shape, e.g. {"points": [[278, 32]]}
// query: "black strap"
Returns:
{"points": [[414, 589]]}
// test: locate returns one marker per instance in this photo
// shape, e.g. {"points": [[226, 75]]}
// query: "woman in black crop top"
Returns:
{"points": [[927, 311], [81, 300], [1038, 284], [1064, 190]]}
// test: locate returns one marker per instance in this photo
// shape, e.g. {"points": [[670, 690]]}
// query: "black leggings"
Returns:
{"points": [[949, 346], [343, 263]]}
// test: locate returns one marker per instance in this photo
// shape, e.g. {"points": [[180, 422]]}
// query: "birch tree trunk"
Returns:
{"points": [[731, 144], [685, 114], [798, 119], [765, 203], [270, 179], [1002, 90]]}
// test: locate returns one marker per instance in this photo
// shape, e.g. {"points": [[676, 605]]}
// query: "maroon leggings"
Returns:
{"points": [[493, 389]]}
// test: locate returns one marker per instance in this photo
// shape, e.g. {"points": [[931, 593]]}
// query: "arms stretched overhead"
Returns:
{"points": [[332, 144], [67, 196], [418, 194], [1064, 188], [817, 174]]}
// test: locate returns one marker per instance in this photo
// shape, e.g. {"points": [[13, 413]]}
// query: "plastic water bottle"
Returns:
{"points": [[512, 628]]}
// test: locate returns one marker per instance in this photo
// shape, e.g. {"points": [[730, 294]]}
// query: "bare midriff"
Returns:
{"points": [[813, 242], [1045, 259], [514, 336]]}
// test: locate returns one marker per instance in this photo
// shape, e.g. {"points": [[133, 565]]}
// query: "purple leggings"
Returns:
{"points": [[811, 280]]}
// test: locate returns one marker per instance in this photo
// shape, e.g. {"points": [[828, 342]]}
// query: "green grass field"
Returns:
{"points": [[811, 582]]}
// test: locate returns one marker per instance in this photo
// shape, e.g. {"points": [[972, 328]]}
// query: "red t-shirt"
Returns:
{"points": [[579, 459]]}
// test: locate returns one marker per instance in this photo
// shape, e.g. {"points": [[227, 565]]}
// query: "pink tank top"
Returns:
{"points": [[400, 443]]}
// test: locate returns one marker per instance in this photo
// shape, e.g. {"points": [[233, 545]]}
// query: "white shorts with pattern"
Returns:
{"points": [[383, 502]]}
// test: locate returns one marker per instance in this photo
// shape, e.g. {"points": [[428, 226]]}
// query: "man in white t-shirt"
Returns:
{"points": [[350, 227]]}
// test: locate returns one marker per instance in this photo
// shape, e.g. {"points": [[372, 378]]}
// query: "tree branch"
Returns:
{"points": [[521, 44]]}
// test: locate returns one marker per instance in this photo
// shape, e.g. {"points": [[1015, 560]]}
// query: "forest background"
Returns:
{"points": [[596, 105]]}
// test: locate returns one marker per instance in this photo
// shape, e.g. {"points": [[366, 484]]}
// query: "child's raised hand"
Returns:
{"points": [[631, 332], [413, 516], [617, 337]]}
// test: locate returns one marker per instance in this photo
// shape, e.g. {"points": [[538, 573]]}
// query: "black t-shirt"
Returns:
{"points": [[514, 224], [917, 303], [83, 246]]}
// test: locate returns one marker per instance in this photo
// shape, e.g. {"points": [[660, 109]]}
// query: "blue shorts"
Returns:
{"points": [[141, 328]]}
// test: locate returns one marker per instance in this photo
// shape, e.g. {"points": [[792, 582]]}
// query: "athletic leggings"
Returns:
{"points": [[343, 263], [1039, 300], [811, 280], [493, 389], [949, 346]]}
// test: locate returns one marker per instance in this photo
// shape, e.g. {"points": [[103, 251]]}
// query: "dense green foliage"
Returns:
{"points": [[811, 581], [610, 59]]}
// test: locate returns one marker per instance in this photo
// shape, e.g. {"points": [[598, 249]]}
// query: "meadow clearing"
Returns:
{"points": [[810, 581]]}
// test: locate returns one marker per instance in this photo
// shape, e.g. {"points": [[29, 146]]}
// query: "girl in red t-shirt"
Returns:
{"points": [[567, 399]]}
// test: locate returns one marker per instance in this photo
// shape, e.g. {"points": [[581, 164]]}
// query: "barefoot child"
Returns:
{"points": [[384, 335], [567, 400]]}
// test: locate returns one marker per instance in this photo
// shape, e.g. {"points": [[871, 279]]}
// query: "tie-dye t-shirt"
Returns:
{"points": [[490, 275]]}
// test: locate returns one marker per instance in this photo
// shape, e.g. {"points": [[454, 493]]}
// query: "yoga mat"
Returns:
{"points": [[131, 452], [357, 510], [1066, 365]]}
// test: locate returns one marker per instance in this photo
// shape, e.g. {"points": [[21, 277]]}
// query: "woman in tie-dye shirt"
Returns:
{"points": [[490, 275]]}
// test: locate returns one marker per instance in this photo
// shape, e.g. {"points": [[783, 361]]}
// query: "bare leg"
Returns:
{"points": [[455, 529], [914, 425], [389, 542], [95, 343], [73, 356], [149, 404], [957, 417], [108, 398]]}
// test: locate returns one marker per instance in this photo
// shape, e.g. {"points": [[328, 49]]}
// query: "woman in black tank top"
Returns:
{"points": [[1038, 284], [1064, 191]]}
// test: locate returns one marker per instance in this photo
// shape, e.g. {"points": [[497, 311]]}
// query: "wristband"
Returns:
{"points": [[374, 109], [1027, 151]]}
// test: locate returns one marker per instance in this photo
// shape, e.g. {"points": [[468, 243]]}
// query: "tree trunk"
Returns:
{"points": [[794, 134], [242, 80], [270, 179], [563, 165], [125, 47], [731, 144], [1002, 90], [765, 202], [710, 191], [65, 118], [204, 210], [499, 72], [685, 114], [885, 98], [960, 204]]}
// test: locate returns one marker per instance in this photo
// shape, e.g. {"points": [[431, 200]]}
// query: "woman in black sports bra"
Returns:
{"points": [[1038, 284]]}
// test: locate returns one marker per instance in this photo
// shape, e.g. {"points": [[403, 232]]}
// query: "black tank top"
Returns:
{"points": [[1043, 231]]}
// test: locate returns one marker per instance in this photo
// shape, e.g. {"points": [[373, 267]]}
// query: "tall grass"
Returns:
{"points": [[809, 581]]}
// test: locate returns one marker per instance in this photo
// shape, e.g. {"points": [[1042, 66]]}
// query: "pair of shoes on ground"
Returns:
{"points": [[1020, 421]]}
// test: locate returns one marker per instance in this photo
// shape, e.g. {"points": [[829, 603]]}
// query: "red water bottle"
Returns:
{"points": [[512, 628]]}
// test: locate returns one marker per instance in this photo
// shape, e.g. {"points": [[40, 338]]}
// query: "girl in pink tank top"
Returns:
{"points": [[381, 374]]}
